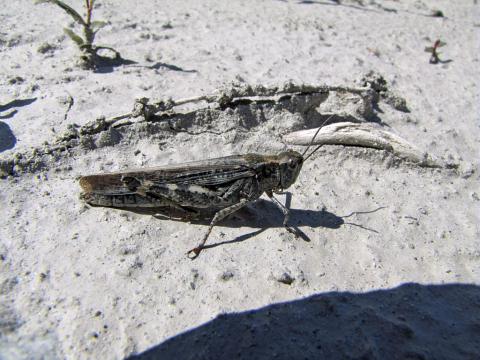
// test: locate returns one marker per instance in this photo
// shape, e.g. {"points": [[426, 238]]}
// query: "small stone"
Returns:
{"points": [[98, 313], [423, 211], [467, 171], [46, 48], [34, 88], [196, 275], [128, 249], [109, 137], [16, 80], [226, 275], [42, 276], [87, 143], [397, 102], [93, 127], [286, 278]]}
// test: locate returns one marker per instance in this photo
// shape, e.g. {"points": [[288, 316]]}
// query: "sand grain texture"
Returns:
{"points": [[392, 265]]}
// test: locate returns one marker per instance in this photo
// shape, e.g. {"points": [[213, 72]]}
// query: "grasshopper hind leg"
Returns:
{"points": [[220, 215]]}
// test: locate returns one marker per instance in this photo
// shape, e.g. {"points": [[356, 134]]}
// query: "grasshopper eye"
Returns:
{"points": [[291, 163]]}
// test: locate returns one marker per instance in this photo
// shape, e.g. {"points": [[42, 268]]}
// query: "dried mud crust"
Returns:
{"points": [[242, 109]]}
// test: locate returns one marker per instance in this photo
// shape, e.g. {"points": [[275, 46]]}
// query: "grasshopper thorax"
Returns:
{"points": [[290, 163]]}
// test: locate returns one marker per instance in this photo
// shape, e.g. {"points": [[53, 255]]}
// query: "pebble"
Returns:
{"points": [[286, 278], [226, 275], [109, 137]]}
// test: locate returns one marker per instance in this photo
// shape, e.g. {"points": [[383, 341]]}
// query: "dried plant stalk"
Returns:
{"points": [[364, 135]]}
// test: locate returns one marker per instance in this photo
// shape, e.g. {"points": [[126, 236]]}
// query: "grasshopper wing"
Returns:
{"points": [[195, 184], [205, 172]]}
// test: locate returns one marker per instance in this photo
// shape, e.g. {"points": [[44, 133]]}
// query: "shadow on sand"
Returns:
{"points": [[411, 321], [261, 215], [172, 67], [106, 65], [7, 139], [13, 105]]}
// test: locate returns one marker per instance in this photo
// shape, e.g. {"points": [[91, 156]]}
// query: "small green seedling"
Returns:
{"points": [[90, 57], [434, 59]]}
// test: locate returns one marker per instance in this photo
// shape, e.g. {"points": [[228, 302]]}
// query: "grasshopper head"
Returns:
{"points": [[290, 165]]}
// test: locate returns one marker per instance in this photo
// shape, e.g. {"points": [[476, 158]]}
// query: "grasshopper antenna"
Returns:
{"points": [[313, 139]]}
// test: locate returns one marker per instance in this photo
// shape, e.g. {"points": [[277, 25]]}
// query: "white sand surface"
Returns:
{"points": [[392, 265]]}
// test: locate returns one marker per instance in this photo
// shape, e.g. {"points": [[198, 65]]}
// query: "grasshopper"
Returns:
{"points": [[222, 185]]}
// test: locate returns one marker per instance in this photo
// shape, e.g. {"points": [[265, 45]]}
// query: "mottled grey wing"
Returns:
{"points": [[204, 172]]}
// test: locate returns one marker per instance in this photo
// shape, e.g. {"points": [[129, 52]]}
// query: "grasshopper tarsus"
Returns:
{"points": [[195, 251], [220, 215], [283, 208]]}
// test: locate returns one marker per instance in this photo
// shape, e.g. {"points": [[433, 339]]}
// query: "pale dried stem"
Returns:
{"points": [[363, 135]]}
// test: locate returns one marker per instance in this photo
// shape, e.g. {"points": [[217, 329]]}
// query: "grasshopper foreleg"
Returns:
{"points": [[221, 214], [286, 213], [282, 208]]}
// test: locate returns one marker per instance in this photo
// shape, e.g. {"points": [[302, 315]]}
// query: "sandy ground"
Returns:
{"points": [[399, 278]]}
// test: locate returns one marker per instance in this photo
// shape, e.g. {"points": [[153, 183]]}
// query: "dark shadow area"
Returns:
{"points": [[439, 61], [261, 215], [105, 64], [338, 3], [7, 139], [159, 65], [411, 321], [9, 115], [379, 5], [17, 103]]}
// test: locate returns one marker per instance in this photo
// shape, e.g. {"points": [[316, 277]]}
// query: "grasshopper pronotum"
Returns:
{"points": [[223, 185]]}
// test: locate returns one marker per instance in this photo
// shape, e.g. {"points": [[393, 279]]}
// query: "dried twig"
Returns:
{"points": [[364, 135]]}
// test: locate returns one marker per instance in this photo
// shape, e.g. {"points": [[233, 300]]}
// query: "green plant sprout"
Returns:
{"points": [[89, 57], [433, 51]]}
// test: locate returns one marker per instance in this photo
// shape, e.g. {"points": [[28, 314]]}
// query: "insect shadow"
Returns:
{"points": [[262, 215]]}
